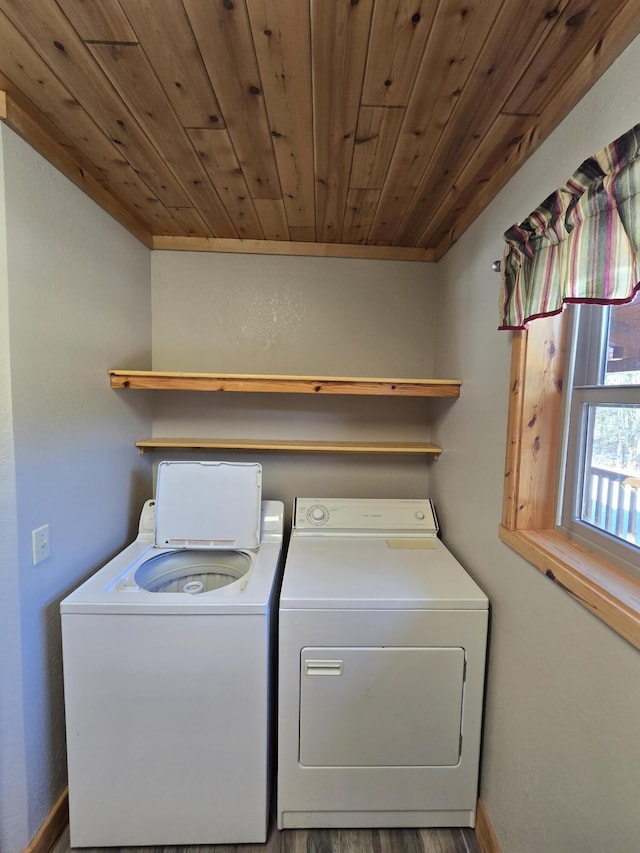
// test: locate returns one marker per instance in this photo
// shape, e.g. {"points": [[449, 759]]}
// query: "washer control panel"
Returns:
{"points": [[147, 519], [366, 515]]}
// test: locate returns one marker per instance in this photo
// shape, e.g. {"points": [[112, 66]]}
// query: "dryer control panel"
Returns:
{"points": [[351, 516]]}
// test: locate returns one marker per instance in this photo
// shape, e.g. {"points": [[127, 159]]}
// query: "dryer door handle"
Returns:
{"points": [[323, 667]]}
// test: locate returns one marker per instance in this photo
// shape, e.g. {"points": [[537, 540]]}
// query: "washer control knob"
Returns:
{"points": [[420, 515], [318, 514]]}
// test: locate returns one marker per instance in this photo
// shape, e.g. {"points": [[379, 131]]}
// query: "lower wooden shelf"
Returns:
{"points": [[397, 447]]}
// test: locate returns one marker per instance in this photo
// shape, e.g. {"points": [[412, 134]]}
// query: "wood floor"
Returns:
{"points": [[325, 841]]}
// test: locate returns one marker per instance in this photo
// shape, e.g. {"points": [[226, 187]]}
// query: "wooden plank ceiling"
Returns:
{"points": [[370, 128]]}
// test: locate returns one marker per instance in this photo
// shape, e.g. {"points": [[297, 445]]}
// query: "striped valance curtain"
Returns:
{"points": [[581, 244]]}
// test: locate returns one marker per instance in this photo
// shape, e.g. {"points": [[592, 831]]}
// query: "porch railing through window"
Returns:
{"points": [[612, 503]]}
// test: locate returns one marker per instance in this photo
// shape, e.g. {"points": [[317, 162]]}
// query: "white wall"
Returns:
{"points": [[268, 314], [561, 765], [13, 786], [74, 301]]}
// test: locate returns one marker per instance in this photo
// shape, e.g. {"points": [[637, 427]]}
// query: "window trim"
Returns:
{"points": [[531, 477]]}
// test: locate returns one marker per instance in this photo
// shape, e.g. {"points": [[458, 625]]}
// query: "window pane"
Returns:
{"points": [[623, 346], [611, 483]]}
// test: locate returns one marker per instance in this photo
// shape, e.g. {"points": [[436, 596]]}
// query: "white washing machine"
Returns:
{"points": [[168, 672], [382, 642]]}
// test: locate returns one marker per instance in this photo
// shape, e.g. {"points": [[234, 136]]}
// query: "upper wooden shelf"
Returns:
{"points": [[154, 379], [291, 445]]}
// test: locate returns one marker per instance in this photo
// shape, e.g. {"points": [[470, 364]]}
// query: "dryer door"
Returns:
{"points": [[367, 707]]}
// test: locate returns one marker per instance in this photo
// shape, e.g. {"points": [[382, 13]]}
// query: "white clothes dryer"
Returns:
{"points": [[382, 643], [168, 674]]}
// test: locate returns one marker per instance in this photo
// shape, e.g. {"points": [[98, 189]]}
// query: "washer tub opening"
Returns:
{"points": [[192, 572]]}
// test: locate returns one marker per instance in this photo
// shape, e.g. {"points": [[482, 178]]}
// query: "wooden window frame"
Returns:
{"points": [[531, 485]]}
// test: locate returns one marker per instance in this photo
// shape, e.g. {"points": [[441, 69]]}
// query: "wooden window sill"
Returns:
{"points": [[606, 590]]}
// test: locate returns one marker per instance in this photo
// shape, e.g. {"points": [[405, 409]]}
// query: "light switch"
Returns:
{"points": [[40, 544]]}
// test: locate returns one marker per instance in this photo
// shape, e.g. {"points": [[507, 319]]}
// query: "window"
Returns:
{"points": [[600, 490], [579, 245], [533, 463]]}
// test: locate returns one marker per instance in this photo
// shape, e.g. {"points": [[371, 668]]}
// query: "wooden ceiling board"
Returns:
{"points": [[273, 218], [190, 221], [522, 134], [376, 135], [94, 154], [457, 35], [339, 33], [510, 44], [127, 67], [293, 248], [59, 46], [218, 157], [302, 233], [103, 21], [223, 34], [559, 50], [30, 77], [142, 209], [45, 140], [399, 33], [512, 139], [361, 207], [351, 128], [281, 31], [163, 30]]}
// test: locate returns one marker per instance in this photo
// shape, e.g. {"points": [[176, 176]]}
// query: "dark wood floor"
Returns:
{"points": [[324, 841]]}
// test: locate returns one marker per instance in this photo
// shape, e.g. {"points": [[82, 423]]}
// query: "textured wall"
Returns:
{"points": [[267, 314], [77, 292], [561, 765]]}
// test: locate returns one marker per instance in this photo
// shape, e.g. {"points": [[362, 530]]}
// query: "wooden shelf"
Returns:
{"points": [[153, 379], [310, 445], [243, 382]]}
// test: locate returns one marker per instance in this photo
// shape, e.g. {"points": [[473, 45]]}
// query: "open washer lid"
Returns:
{"points": [[208, 505]]}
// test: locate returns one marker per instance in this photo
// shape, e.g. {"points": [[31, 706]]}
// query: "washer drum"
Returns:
{"points": [[192, 571]]}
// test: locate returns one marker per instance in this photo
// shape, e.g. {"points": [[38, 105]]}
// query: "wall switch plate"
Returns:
{"points": [[40, 544]]}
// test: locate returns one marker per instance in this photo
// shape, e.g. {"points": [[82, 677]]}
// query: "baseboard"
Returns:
{"points": [[487, 839], [58, 818], [52, 827]]}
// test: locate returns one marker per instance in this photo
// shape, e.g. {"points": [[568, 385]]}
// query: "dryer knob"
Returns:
{"points": [[318, 514]]}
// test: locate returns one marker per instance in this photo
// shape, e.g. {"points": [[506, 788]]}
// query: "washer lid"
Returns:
{"points": [[208, 505]]}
